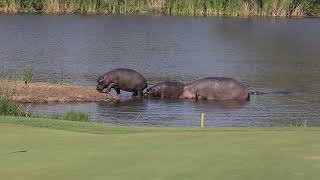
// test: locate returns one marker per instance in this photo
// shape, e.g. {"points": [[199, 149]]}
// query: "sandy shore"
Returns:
{"points": [[41, 92]]}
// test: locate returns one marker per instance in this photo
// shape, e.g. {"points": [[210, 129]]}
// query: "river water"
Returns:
{"points": [[264, 54]]}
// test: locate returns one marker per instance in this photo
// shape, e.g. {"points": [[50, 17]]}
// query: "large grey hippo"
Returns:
{"points": [[122, 79], [216, 88], [165, 90]]}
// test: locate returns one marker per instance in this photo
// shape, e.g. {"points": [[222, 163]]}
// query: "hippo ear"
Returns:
{"points": [[101, 78]]}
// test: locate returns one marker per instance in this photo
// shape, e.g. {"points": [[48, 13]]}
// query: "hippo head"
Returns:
{"points": [[151, 92], [103, 83], [189, 93]]}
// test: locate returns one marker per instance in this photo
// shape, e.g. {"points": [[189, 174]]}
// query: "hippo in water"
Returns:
{"points": [[216, 88], [165, 90], [122, 79]]}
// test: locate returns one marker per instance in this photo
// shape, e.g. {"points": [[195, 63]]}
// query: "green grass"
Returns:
{"points": [[72, 116], [28, 74], [170, 7], [75, 150], [8, 108]]}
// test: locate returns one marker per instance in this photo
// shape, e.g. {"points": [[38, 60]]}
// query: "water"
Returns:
{"points": [[264, 54]]}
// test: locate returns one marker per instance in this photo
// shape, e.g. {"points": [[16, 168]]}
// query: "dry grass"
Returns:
{"points": [[44, 93], [274, 8]]}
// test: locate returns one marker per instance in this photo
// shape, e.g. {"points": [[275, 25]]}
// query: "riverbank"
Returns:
{"points": [[41, 92], [273, 8], [75, 150]]}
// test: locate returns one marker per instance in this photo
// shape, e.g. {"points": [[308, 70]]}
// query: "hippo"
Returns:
{"points": [[165, 90], [122, 79], [216, 88]]}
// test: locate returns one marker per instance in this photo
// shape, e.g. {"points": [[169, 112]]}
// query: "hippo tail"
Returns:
{"points": [[254, 93], [248, 97]]}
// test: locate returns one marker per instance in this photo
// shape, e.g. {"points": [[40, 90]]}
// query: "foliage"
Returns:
{"points": [[8, 108], [169, 7], [28, 74], [72, 116]]}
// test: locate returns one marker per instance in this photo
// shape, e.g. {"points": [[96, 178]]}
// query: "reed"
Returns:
{"points": [[9, 108], [284, 8]]}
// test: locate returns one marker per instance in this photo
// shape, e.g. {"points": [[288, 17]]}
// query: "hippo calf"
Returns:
{"points": [[165, 90], [122, 79], [216, 88]]}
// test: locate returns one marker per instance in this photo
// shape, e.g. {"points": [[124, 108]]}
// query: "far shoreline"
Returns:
{"points": [[157, 15], [189, 8]]}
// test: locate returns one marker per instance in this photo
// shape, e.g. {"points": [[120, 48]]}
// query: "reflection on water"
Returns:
{"points": [[265, 54]]}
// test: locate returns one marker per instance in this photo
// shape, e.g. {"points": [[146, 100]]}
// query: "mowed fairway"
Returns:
{"points": [[32, 153]]}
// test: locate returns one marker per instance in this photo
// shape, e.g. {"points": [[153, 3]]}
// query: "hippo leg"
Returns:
{"points": [[140, 93], [117, 90], [112, 85], [134, 94]]}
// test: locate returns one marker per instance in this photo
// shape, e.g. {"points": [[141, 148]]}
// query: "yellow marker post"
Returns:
{"points": [[202, 119]]}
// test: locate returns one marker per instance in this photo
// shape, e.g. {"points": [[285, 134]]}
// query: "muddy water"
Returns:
{"points": [[265, 54]]}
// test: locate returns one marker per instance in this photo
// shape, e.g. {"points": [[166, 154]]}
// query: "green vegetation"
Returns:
{"points": [[168, 7], [7, 108], [26, 74], [72, 116], [105, 152]]}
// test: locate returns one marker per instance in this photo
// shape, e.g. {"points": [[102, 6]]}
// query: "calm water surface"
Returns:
{"points": [[264, 54]]}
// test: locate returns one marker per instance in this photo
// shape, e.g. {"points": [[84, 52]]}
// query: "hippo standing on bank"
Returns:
{"points": [[165, 90], [122, 79], [216, 88]]}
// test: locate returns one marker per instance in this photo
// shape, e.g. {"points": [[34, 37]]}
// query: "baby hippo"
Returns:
{"points": [[165, 90], [217, 89]]}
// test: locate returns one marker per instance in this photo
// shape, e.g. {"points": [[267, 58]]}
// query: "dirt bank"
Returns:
{"points": [[41, 92]]}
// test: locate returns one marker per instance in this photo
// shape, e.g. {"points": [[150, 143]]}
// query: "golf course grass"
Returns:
{"points": [[38, 149]]}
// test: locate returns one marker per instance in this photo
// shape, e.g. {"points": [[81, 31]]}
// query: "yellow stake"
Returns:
{"points": [[202, 119]]}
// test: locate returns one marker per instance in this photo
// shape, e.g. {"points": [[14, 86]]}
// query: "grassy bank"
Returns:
{"points": [[284, 8], [105, 152]]}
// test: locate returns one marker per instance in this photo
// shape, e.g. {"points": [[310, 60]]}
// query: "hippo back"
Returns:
{"points": [[220, 88], [128, 79]]}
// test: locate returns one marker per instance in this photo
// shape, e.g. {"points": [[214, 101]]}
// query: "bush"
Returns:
{"points": [[8, 108]]}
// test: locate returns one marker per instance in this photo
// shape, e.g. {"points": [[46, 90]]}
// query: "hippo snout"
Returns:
{"points": [[100, 88], [146, 94]]}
